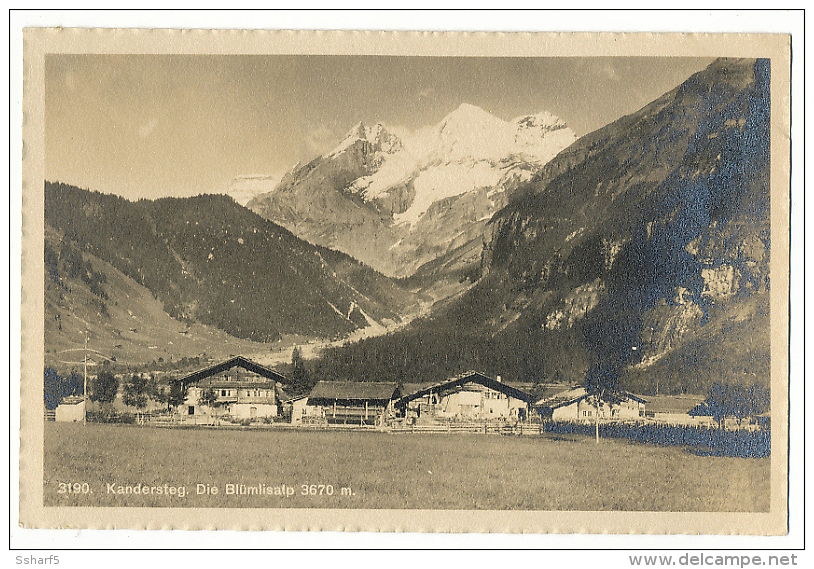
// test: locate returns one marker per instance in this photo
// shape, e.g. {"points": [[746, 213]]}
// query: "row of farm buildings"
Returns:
{"points": [[240, 389], [243, 390]]}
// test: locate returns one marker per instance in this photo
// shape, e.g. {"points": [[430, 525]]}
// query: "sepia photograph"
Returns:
{"points": [[317, 284]]}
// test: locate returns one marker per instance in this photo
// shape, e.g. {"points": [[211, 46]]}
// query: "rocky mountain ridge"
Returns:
{"points": [[399, 200]]}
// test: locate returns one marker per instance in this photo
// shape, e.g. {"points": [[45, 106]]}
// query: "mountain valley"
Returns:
{"points": [[639, 250]]}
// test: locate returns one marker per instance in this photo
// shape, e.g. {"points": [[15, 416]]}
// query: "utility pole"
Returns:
{"points": [[85, 388]]}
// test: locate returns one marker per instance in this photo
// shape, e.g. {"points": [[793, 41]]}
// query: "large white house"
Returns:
{"points": [[237, 387], [576, 404], [471, 396]]}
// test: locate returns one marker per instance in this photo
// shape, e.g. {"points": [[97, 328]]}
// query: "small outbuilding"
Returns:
{"points": [[299, 410], [353, 402], [70, 410]]}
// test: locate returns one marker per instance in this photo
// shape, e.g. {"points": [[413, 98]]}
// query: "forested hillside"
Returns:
{"points": [[210, 260]]}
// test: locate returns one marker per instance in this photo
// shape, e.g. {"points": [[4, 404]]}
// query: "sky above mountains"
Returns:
{"points": [[146, 126]]}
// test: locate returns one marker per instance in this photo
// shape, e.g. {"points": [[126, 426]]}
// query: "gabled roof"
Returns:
{"points": [[677, 404], [410, 388], [576, 394], [354, 391], [469, 377], [237, 361], [293, 399], [72, 400]]}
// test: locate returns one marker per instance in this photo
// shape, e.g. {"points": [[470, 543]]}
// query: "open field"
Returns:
{"points": [[381, 470]]}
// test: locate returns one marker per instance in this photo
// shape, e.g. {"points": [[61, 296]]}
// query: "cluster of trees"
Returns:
{"points": [[738, 401], [137, 389], [57, 387], [441, 349]]}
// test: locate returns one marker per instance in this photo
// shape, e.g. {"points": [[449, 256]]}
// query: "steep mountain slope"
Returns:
{"points": [[209, 260], [398, 202], [640, 251], [641, 229], [126, 324]]}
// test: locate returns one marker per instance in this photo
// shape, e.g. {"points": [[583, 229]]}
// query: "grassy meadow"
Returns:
{"points": [[382, 470]]}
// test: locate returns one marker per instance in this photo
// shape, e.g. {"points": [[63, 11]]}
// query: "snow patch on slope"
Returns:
{"points": [[440, 182], [243, 188]]}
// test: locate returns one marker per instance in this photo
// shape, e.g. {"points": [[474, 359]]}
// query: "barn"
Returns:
{"points": [[576, 404], [238, 387], [353, 402], [675, 410], [471, 396]]}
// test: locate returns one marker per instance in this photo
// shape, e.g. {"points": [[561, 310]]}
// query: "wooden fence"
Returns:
{"points": [[484, 428]]}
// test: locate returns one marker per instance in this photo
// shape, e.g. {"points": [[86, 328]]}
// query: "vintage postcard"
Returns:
{"points": [[392, 281]]}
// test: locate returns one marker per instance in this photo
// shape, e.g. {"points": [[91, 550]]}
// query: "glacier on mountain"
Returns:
{"points": [[395, 198], [468, 150]]}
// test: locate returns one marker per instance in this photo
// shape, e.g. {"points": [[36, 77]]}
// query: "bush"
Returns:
{"points": [[699, 440], [110, 416]]}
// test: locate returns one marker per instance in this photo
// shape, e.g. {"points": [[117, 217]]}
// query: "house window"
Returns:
{"points": [[223, 393]]}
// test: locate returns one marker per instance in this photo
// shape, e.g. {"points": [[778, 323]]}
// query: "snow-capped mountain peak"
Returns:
{"points": [[377, 135], [468, 116], [417, 193]]}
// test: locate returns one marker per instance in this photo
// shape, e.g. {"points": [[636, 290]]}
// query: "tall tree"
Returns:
{"points": [[156, 392], [105, 387], [52, 389], [178, 394], [299, 375], [135, 392], [601, 385], [208, 397], [74, 384]]}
